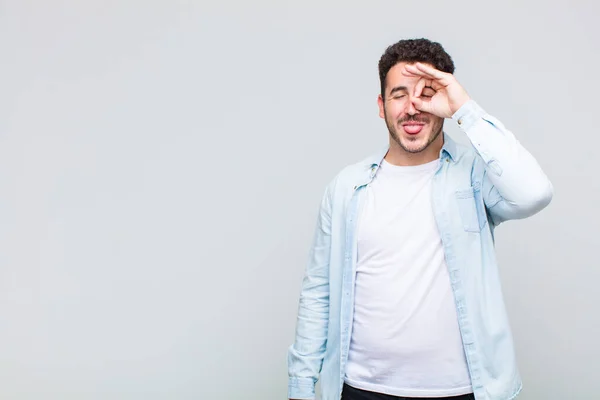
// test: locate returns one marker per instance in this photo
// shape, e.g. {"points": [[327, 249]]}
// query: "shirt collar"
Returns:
{"points": [[449, 149]]}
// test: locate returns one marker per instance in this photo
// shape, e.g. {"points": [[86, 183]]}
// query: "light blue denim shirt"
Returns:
{"points": [[475, 188]]}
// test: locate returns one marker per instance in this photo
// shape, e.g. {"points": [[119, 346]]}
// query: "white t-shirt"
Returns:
{"points": [[405, 335]]}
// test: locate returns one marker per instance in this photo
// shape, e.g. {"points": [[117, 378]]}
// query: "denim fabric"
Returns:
{"points": [[476, 188]]}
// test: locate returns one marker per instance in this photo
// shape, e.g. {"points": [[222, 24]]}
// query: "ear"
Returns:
{"points": [[381, 106]]}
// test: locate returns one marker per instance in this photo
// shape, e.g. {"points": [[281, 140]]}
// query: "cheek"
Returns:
{"points": [[437, 122], [394, 110]]}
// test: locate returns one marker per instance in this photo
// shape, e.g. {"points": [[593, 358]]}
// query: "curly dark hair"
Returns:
{"points": [[414, 50]]}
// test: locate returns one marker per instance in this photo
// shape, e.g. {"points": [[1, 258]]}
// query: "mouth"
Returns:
{"points": [[413, 128]]}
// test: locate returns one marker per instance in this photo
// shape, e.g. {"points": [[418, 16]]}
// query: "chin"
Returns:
{"points": [[414, 149], [415, 144], [415, 140]]}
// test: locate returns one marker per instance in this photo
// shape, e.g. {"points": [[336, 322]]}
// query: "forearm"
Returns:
{"points": [[305, 356], [522, 187]]}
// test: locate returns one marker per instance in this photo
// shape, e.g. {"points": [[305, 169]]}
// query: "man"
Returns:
{"points": [[401, 298]]}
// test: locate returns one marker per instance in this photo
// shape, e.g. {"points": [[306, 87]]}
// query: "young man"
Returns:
{"points": [[401, 297]]}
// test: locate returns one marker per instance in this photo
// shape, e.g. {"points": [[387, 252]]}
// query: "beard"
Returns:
{"points": [[394, 126]]}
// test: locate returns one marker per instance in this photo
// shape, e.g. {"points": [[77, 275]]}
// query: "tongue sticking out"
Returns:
{"points": [[412, 129]]}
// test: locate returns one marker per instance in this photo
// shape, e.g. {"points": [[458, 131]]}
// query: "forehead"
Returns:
{"points": [[396, 78]]}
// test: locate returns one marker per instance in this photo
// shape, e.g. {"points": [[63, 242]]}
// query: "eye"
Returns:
{"points": [[427, 92], [399, 96]]}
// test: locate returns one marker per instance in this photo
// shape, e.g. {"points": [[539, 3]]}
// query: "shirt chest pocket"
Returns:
{"points": [[471, 208]]}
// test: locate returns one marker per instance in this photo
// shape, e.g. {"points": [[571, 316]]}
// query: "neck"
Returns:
{"points": [[396, 155]]}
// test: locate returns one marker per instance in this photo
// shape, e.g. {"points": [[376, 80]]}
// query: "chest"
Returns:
{"points": [[397, 213]]}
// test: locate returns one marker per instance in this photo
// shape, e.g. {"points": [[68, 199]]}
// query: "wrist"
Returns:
{"points": [[468, 115], [458, 105]]}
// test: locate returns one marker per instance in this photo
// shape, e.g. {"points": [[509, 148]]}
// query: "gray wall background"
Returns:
{"points": [[161, 164]]}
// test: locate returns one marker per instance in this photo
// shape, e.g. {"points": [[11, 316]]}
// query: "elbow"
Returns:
{"points": [[537, 198], [547, 195]]}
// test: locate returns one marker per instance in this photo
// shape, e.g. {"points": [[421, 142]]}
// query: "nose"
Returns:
{"points": [[410, 107]]}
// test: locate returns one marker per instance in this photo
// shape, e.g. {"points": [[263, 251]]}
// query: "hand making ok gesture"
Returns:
{"points": [[449, 94]]}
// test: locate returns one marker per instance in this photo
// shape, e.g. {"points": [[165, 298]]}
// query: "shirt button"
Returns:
{"points": [[460, 121]]}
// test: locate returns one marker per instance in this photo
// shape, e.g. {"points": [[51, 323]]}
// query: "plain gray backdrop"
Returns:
{"points": [[161, 165]]}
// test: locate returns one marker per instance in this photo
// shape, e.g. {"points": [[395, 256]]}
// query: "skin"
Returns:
{"points": [[417, 99]]}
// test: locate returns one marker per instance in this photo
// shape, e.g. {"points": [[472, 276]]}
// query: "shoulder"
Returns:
{"points": [[467, 163], [356, 173]]}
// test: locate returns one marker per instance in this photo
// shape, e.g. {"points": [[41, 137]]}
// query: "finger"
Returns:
{"points": [[436, 73], [430, 81], [410, 74], [411, 70], [424, 106], [436, 85], [442, 77], [419, 87]]}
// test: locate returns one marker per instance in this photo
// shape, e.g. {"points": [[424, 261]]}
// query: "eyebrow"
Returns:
{"points": [[398, 89]]}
